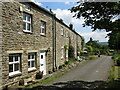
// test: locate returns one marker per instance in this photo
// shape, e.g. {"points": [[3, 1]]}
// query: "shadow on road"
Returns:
{"points": [[72, 84], [97, 85]]}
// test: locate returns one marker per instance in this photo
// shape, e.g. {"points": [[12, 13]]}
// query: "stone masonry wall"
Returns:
{"points": [[0, 45], [15, 40]]}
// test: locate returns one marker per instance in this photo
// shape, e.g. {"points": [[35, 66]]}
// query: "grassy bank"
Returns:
{"points": [[114, 77]]}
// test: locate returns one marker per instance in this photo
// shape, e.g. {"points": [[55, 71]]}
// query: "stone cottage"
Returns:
{"points": [[32, 39]]}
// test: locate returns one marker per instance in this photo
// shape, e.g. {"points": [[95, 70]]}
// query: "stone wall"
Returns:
{"points": [[0, 45], [15, 40]]}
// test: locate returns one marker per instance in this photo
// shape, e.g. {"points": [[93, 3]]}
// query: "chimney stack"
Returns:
{"points": [[71, 26]]}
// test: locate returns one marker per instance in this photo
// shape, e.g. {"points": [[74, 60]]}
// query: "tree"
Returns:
{"points": [[100, 15]]}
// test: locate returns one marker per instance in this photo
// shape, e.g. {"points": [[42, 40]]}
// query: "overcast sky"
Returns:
{"points": [[60, 8]]}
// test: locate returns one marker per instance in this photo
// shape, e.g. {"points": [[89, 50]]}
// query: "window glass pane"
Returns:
{"points": [[43, 30], [32, 63], [24, 16], [16, 68], [10, 58], [16, 58], [28, 17], [11, 68], [41, 56], [28, 26], [24, 25], [28, 64], [28, 56], [33, 56]]}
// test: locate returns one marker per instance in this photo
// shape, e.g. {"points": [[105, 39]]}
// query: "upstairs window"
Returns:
{"points": [[27, 22], [31, 61], [62, 31], [62, 52], [42, 28], [14, 64]]}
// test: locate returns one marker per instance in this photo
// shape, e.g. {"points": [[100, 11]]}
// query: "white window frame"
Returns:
{"points": [[62, 52], [15, 62], [62, 31], [67, 53], [42, 27], [30, 60], [67, 34], [27, 22]]}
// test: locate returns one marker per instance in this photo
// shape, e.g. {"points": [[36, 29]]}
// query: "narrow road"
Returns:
{"points": [[93, 71]]}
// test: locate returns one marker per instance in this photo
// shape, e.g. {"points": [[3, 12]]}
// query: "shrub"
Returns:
{"points": [[61, 66], [91, 57], [39, 75], [67, 62]]}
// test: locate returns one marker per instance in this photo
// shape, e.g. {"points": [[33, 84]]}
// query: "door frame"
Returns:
{"points": [[45, 66]]}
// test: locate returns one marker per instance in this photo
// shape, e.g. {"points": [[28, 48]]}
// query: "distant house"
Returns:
{"points": [[32, 39]]}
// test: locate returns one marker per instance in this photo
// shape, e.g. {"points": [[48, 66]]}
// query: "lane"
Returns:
{"points": [[96, 70]]}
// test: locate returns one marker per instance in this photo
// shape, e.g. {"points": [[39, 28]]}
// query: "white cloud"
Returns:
{"points": [[67, 2], [38, 3], [96, 36], [67, 17]]}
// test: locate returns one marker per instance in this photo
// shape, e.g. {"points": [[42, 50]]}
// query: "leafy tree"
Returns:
{"points": [[98, 15], [101, 15]]}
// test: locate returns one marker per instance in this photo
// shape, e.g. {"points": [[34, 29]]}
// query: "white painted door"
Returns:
{"points": [[43, 62]]}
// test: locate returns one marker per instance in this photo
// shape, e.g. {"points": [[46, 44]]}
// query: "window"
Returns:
{"points": [[27, 7], [43, 28], [31, 61], [27, 22], [62, 31], [62, 53], [14, 64], [66, 34]]}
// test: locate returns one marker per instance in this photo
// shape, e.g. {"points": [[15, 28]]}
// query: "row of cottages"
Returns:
{"points": [[32, 39]]}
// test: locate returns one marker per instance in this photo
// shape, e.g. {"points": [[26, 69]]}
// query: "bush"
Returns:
{"points": [[67, 62], [39, 75], [61, 66], [118, 62], [91, 57]]}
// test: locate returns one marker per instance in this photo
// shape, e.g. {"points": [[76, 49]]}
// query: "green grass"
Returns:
{"points": [[113, 81], [44, 81]]}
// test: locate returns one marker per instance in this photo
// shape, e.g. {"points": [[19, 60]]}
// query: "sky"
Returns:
{"points": [[60, 8]]}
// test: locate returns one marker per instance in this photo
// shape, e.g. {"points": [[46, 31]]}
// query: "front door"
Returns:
{"points": [[43, 63]]}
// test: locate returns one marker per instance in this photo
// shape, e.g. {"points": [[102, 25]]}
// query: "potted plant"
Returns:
{"points": [[39, 74]]}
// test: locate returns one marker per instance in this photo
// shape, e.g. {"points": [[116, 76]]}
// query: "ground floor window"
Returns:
{"points": [[14, 64], [31, 61]]}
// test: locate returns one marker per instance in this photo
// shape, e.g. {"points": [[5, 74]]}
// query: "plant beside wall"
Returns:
{"points": [[71, 52], [39, 75]]}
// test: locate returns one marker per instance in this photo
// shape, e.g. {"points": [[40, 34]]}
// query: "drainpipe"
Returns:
{"points": [[53, 69], [55, 44]]}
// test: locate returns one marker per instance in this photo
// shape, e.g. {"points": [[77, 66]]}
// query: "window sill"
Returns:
{"points": [[30, 32], [31, 69], [42, 35], [13, 74]]}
